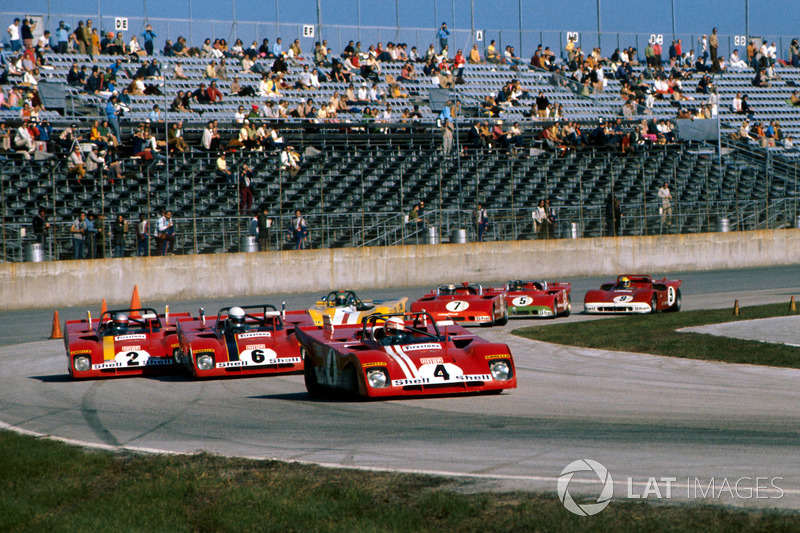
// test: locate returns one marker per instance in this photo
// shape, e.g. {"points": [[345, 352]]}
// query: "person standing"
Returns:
{"points": [[112, 118], [143, 236], [442, 35], [299, 230], [447, 137], [13, 36], [119, 230], [666, 205], [28, 25], [91, 236], [264, 224], [166, 233], [713, 44], [245, 188], [78, 231], [482, 220], [147, 39], [41, 228], [62, 36]]}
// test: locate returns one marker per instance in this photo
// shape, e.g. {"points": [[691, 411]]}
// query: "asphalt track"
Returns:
{"points": [[704, 424]]}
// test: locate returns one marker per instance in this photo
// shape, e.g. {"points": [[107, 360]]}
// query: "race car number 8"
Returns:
{"points": [[457, 305]]}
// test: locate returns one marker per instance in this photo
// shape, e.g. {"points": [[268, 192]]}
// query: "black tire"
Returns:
{"points": [[177, 357], [555, 309], [502, 321], [677, 305], [654, 304], [350, 381], [313, 387], [568, 310]]}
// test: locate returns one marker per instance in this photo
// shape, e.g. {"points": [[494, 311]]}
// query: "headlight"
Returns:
{"points": [[205, 362], [501, 370], [81, 363], [377, 379]]}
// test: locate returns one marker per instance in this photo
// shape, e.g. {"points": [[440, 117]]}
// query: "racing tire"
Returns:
{"points": [[677, 305], [177, 357], [502, 321], [654, 304], [350, 382], [313, 387], [568, 309], [555, 309]]}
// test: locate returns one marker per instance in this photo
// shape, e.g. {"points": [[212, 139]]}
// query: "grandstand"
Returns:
{"points": [[356, 191]]}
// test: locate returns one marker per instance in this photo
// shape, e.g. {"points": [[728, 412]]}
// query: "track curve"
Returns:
{"points": [[641, 416]]}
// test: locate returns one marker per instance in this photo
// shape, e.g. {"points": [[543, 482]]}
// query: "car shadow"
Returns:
{"points": [[58, 378]]}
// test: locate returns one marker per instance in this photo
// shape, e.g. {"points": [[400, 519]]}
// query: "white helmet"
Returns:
{"points": [[394, 326], [236, 316], [121, 321]]}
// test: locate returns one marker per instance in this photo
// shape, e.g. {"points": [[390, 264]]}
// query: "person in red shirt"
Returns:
{"points": [[458, 63], [214, 94]]}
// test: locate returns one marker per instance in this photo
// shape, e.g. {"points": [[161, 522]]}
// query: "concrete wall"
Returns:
{"points": [[64, 283]]}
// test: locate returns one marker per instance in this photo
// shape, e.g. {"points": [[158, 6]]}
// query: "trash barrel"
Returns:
{"points": [[574, 230], [34, 252], [433, 235], [723, 225], [459, 236], [248, 243]]}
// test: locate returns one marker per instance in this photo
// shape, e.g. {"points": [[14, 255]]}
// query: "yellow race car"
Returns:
{"points": [[345, 307]]}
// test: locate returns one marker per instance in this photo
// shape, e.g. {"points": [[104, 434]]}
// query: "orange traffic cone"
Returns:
{"points": [[736, 308], [792, 305], [135, 303], [56, 331], [103, 308]]}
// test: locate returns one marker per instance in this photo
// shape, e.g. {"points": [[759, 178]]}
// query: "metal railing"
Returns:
{"points": [[226, 234]]}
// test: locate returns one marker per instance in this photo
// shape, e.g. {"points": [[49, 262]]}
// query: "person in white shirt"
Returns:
{"points": [[666, 205], [363, 93], [736, 62], [239, 116], [772, 53], [736, 106], [23, 138]]}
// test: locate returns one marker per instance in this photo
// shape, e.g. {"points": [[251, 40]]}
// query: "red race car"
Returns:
{"points": [[633, 293], [242, 341], [403, 355], [536, 298], [124, 342], [466, 303]]}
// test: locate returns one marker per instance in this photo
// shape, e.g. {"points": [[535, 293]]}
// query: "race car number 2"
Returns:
{"points": [[132, 358], [457, 305]]}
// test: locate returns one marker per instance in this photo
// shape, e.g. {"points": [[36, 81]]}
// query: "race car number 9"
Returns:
{"points": [[522, 301], [457, 305], [261, 356], [624, 298], [132, 358]]}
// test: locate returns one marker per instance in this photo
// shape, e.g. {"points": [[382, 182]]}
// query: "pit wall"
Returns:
{"points": [[66, 283]]}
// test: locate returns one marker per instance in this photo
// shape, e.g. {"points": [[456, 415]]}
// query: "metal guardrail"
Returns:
{"points": [[225, 234]]}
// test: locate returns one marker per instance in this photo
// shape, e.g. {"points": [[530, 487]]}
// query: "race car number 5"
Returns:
{"points": [[521, 301], [457, 305]]}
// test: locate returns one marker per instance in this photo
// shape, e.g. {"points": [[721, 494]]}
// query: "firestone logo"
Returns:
{"points": [[586, 509]]}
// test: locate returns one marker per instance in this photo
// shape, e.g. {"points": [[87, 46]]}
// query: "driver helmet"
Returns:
{"points": [[236, 317], [625, 282], [341, 298], [518, 285], [394, 326], [451, 289], [121, 321]]}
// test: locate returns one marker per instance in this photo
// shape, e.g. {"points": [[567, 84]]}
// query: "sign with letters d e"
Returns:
{"points": [[121, 24], [308, 31]]}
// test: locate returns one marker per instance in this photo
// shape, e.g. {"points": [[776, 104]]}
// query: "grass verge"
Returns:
{"points": [[657, 334], [51, 486]]}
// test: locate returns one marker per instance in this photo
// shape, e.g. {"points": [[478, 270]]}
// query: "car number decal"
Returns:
{"points": [[457, 305], [624, 298], [522, 301]]}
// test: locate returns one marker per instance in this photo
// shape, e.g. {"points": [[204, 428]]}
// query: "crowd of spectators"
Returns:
{"points": [[122, 67]]}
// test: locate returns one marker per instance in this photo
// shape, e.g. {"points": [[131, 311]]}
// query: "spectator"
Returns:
{"points": [[666, 206], [245, 188], [224, 172], [76, 164], [79, 229], [119, 229], [290, 160], [148, 35], [112, 118], [264, 224], [299, 230], [442, 35], [482, 221], [143, 236], [14, 36], [41, 227]]}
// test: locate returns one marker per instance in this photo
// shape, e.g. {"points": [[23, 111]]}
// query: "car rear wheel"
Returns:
{"points": [[568, 309], [654, 304], [310, 376], [502, 321], [677, 305]]}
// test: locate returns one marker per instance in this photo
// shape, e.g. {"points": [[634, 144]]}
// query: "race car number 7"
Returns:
{"points": [[457, 305]]}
